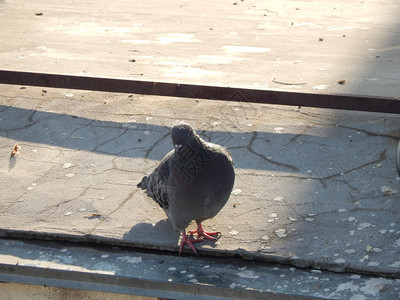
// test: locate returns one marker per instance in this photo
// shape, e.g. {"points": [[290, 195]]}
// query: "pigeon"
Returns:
{"points": [[192, 182]]}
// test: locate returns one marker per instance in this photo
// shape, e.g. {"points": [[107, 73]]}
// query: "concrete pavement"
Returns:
{"points": [[315, 188], [297, 45]]}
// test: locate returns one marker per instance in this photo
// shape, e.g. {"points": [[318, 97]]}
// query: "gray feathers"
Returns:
{"points": [[156, 185], [192, 182]]}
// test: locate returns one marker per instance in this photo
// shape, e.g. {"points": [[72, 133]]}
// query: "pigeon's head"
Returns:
{"points": [[181, 134]]}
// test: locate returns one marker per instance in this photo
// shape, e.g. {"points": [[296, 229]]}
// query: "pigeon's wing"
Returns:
{"points": [[156, 184]]}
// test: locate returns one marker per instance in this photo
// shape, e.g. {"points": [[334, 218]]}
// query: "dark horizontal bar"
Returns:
{"points": [[333, 101]]}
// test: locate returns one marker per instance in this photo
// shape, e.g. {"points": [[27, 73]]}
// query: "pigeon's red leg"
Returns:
{"points": [[201, 233], [189, 242]]}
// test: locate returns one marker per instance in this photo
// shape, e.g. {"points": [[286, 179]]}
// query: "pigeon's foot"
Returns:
{"points": [[189, 242], [201, 233]]}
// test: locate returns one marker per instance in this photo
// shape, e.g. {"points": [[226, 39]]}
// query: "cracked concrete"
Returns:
{"points": [[315, 188]]}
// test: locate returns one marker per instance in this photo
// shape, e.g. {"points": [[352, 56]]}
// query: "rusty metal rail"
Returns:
{"points": [[333, 101]]}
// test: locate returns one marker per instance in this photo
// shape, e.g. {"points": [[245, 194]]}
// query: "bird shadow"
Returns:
{"points": [[160, 235], [131, 139]]}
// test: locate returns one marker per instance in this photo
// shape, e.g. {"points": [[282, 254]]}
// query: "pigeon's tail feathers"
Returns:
{"points": [[143, 183]]}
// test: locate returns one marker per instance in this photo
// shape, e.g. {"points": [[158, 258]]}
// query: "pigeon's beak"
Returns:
{"points": [[177, 147]]}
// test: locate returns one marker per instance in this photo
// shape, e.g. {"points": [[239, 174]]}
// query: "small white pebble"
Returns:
{"points": [[386, 190], [68, 213], [236, 192], [364, 225], [395, 264], [320, 87], [172, 269], [350, 251], [281, 233]]}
